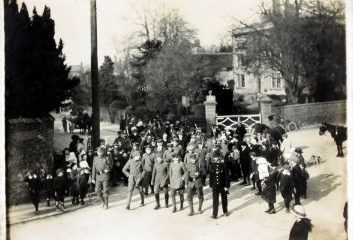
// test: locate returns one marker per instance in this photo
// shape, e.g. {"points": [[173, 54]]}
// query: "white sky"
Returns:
{"points": [[117, 20]]}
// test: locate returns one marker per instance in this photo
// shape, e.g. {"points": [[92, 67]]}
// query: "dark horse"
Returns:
{"points": [[338, 133], [276, 134]]}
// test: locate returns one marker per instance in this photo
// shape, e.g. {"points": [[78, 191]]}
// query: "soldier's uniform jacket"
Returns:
{"points": [[168, 155], [148, 161], [202, 158], [133, 168], [134, 153], [188, 155], [219, 175], [177, 175], [193, 174], [101, 168], [178, 150], [160, 175], [159, 153]]}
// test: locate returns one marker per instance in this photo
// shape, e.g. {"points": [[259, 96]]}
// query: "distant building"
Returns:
{"points": [[79, 71], [247, 83]]}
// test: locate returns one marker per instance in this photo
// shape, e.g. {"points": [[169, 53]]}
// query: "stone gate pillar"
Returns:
{"points": [[210, 111], [266, 110]]}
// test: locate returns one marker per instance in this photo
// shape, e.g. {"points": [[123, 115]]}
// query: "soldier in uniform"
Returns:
{"points": [[133, 170], [168, 154], [177, 148], [193, 181], [34, 183], [219, 181], [190, 151], [160, 180], [101, 169], [148, 159], [159, 150], [202, 152], [177, 176]]}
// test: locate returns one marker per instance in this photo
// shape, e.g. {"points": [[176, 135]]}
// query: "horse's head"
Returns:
{"points": [[323, 128]]}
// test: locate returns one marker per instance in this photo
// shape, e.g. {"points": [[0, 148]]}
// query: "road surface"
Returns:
{"points": [[326, 198]]}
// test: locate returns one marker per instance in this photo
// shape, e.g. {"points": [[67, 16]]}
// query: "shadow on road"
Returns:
{"points": [[321, 185]]}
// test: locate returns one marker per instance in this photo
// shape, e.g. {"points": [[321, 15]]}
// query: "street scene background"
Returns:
{"points": [[324, 205], [212, 77]]}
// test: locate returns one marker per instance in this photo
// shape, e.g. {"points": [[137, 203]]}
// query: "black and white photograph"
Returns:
{"points": [[176, 119]]}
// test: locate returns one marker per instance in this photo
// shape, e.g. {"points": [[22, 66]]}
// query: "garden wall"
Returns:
{"points": [[29, 146]]}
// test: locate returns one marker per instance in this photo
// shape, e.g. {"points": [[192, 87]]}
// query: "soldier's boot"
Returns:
{"points": [[142, 199], [62, 207], [166, 200], [129, 201], [48, 202], [36, 207], [200, 205], [191, 205], [174, 203], [106, 202], [181, 202], [57, 206], [102, 199], [157, 201]]}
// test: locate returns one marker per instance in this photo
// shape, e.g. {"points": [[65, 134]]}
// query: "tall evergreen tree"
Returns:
{"points": [[36, 76]]}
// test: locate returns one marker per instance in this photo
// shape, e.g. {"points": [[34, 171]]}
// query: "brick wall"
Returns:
{"points": [[29, 146], [332, 112]]}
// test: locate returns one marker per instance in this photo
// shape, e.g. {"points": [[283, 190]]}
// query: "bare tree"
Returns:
{"points": [[285, 42]]}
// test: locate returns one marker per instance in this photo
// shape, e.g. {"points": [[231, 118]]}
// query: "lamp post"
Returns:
{"points": [[94, 78]]}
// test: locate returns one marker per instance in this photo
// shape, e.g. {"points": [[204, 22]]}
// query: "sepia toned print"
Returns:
{"points": [[176, 119]]}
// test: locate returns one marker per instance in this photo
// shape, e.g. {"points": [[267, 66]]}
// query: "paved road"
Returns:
{"points": [[326, 198]]}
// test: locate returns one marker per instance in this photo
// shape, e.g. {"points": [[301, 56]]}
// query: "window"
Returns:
{"points": [[276, 80], [241, 81], [241, 60]]}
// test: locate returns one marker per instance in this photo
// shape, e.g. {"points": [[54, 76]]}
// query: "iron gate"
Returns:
{"points": [[248, 120]]}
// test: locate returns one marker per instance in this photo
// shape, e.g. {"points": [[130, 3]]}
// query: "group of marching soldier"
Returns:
{"points": [[166, 157]]}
